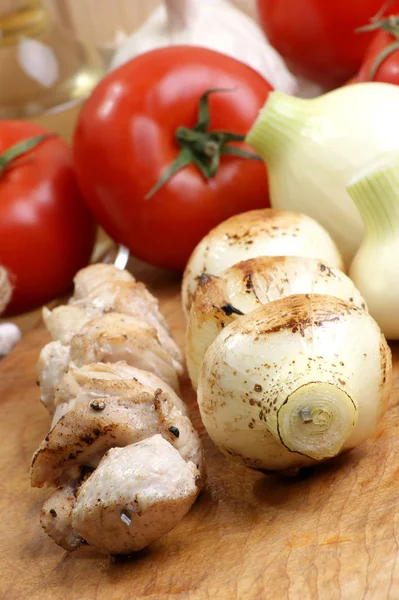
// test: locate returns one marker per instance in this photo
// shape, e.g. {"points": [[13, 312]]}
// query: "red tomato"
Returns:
{"points": [[46, 231], [125, 140], [317, 37], [388, 71]]}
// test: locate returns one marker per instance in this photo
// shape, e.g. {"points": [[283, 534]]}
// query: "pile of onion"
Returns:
{"points": [[290, 367]]}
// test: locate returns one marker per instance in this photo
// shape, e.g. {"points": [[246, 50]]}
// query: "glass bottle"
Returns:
{"points": [[45, 71]]}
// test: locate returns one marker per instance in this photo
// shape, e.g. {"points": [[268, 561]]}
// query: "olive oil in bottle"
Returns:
{"points": [[45, 71]]}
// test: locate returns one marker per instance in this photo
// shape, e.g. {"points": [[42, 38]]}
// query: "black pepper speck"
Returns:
{"points": [[174, 430]]}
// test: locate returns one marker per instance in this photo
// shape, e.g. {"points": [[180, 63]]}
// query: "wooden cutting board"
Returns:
{"points": [[329, 534]]}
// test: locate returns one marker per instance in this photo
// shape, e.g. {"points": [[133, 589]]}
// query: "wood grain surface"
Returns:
{"points": [[329, 534]]}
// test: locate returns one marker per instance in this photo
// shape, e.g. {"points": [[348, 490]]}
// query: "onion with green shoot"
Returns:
{"points": [[244, 287], [375, 268], [312, 147], [295, 382]]}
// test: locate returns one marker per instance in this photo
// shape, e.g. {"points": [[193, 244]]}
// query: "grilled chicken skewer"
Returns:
{"points": [[135, 312], [99, 290], [121, 444]]}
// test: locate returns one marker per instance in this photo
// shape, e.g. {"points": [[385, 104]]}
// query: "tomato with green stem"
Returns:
{"points": [[317, 37], [381, 61], [159, 150], [46, 230]]}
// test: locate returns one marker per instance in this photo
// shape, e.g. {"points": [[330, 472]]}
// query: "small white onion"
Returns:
{"points": [[244, 287], [265, 232], [297, 381]]}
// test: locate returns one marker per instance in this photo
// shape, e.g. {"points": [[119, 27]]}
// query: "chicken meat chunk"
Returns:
{"points": [[82, 385], [53, 362], [125, 297], [132, 298], [56, 518], [122, 452], [114, 337], [136, 495], [64, 321], [82, 436], [87, 279]]}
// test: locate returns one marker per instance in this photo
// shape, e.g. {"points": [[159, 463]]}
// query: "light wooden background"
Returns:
{"points": [[97, 20]]}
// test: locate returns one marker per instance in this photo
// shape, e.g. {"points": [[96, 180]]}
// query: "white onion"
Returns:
{"points": [[313, 147], [257, 233], [375, 268], [297, 381], [219, 300]]}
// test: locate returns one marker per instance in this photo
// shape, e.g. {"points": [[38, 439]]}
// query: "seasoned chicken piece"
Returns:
{"points": [[92, 276], [133, 299], [136, 495], [82, 385], [84, 434], [130, 298], [56, 518], [114, 337], [52, 364], [64, 321]]}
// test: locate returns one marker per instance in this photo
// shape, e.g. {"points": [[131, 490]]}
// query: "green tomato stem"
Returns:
{"points": [[202, 147], [391, 26], [19, 149]]}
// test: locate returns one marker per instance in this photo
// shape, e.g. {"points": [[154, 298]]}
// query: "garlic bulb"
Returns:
{"points": [[375, 268], [313, 147], [10, 335], [257, 233], [297, 381], [247, 285], [214, 24]]}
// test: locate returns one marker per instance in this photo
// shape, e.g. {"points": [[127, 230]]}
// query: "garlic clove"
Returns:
{"points": [[10, 335]]}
